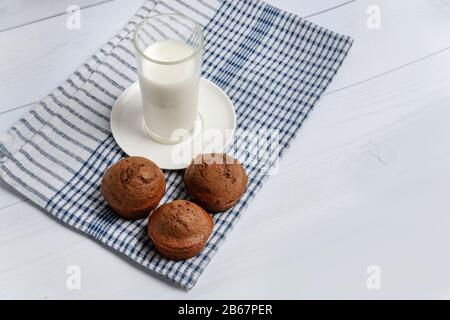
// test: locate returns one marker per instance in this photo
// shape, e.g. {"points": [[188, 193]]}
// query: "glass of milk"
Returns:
{"points": [[169, 52]]}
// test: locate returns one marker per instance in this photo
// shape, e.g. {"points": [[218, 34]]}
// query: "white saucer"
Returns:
{"points": [[213, 131]]}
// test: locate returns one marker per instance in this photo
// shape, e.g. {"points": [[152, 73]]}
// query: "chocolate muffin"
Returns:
{"points": [[179, 229], [215, 181], [133, 187]]}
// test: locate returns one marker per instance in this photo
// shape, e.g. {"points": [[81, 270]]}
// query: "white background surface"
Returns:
{"points": [[366, 182]]}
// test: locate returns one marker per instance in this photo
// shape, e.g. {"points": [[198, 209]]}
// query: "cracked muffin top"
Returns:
{"points": [[133, 187], [179, 228], [215, 181]]}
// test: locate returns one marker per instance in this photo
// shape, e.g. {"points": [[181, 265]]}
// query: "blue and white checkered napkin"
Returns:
{"points": [[274, 66]]}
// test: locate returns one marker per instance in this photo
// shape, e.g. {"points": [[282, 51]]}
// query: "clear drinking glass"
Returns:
{"points": [[169, 53]]}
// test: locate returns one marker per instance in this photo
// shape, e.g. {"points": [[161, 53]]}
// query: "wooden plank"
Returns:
{"points": [[18, 13], [364, 183], [42, 55], [408, 32], [49, 64]]}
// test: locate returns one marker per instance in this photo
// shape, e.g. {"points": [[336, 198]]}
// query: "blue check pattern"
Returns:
{"points": [[274, 66]]}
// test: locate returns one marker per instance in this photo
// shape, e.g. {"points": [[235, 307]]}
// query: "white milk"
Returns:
{"points": [[169, 92]]}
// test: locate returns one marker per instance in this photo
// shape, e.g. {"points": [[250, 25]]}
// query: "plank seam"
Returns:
{"points": [[388, 71], [329, 9]]}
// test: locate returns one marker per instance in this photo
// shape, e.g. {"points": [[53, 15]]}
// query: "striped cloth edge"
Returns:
{"points": [[274, 66]]}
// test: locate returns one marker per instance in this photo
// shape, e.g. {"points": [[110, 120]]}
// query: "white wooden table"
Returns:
{"points": [[366, 182]]}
